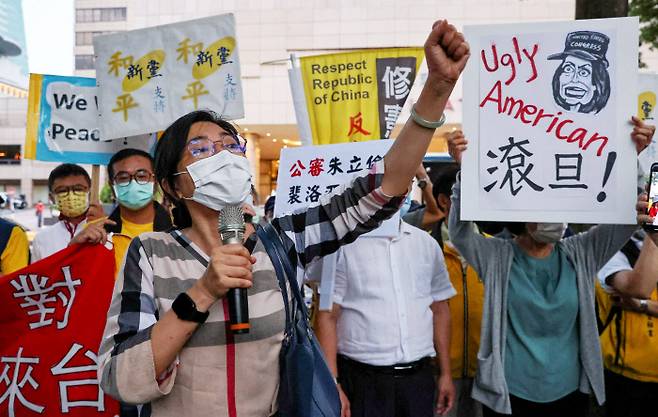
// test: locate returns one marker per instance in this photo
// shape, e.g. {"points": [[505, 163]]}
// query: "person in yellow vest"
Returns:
{"points": [[465, 309], [130, 172], [14, 247], [628, 327]]}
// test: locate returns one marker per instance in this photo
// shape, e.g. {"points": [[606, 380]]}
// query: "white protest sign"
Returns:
{"points": [[646, 110], [546, 115], [63, 123], [306, 173], [150, 77]]}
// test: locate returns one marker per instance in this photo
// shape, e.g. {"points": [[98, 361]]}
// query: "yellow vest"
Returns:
{"points": [[638, 351], [465, 314]]}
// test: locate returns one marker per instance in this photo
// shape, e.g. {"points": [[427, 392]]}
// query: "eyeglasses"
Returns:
{"points": [[78, 190], [141, 177], [203, 147]]}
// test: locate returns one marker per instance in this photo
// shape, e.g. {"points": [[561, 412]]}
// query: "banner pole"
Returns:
{"points": [[95, 183]]}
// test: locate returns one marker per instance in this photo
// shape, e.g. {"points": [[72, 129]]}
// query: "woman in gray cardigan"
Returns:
{"points": [[539, 348]]}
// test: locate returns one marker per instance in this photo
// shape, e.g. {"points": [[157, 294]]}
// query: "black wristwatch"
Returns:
{"points": [[422, 183], [185, 309]]}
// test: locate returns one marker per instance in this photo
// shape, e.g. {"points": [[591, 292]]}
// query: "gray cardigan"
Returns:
{"points": [[492, 259]]}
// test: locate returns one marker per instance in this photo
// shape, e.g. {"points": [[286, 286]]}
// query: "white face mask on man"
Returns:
{"points": [[548, 232], [221, 180]]}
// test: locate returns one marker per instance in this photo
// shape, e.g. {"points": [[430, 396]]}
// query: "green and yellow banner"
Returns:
{"points": [[357, 96]]}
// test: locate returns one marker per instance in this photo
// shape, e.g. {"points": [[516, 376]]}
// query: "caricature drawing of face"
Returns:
{"points": [[581, 82], [576, 87]]}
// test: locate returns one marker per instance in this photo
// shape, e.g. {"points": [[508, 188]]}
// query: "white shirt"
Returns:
{"points": [[619, 262], [53, 239], [385, 287]]}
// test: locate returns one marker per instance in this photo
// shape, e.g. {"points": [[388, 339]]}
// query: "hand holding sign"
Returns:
{"points": [[446, 52], [642, 134]]}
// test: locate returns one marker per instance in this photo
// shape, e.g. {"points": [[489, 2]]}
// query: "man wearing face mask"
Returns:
{"points": [[130, 172], [69, 187]]}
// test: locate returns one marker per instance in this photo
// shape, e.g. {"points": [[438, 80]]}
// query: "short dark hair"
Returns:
{"points": [[67, 170], [168, 152], [443, 184], [125, 154]]}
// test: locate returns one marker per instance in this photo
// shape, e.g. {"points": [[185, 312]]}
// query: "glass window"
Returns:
{"points": [[106, 15], [97, 15], [10, 154], [84, 62], [79, 15], [88, 15]]}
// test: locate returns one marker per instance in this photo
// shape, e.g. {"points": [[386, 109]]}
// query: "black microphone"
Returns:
{"points": [[231, 230]]}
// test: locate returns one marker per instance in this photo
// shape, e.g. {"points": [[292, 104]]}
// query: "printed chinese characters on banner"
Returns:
{"points": [[547, 106], [62, 123], [307, 173], [53, 315], [150, 77], [358, 95], [647, 112]]}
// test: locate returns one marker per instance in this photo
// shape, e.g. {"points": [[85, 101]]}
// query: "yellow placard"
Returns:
{"points": [[357, 96], [33, 115], [646, 105]]}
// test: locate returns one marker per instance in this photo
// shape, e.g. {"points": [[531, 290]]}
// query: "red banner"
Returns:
{"points": [[52, 316]]}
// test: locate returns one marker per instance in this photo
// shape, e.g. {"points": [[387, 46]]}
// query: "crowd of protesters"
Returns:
{"points": [[447, 317]]}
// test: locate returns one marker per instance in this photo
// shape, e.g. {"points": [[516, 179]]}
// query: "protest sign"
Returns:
{"points": [[546, 110], [357, 96], [646, 111], [53, 317], [62, 123], [150, 77], [308, 172]]}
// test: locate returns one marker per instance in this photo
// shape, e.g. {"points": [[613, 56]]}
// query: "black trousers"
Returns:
{"points": [[627, 397], [575, 404], [382, 394]]}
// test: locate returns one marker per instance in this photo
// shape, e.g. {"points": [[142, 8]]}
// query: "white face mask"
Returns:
{"points": [[549, 232], [221, 180]]}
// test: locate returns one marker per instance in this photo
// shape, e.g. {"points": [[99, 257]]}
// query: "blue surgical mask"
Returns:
{"points": [[406, 205], [134, 196]]}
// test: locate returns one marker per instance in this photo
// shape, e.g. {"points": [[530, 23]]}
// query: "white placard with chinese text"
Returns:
{"points": [[150, 77], [546, 115], [306, 173]]}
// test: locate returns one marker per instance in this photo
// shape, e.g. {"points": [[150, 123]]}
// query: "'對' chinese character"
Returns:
{"points": [[568, 171], [16, 382], [514, 164], [40, 297], [116, 62], [91, 378], [397, 82], [356, 125], [124, 103], [296, 169], [293, 195], [313, 193], [315, 167], [185, 48], [194, 90]]}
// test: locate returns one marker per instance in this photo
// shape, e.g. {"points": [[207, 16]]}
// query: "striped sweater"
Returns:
{"points": [[218, 373]]}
